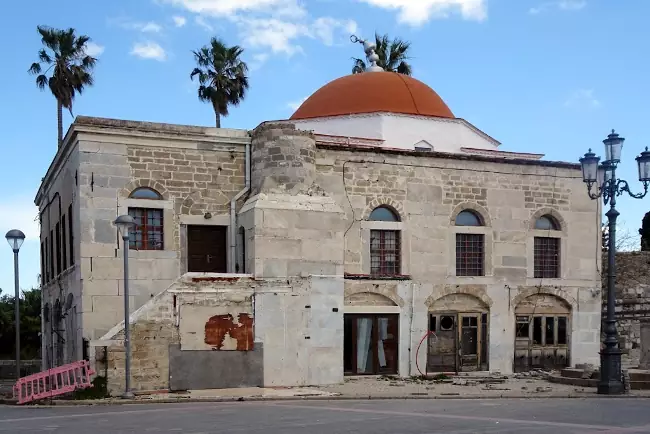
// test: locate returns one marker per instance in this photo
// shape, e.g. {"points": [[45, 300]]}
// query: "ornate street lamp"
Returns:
{"points": [[15, 238], [124, 223], [609, 187]]}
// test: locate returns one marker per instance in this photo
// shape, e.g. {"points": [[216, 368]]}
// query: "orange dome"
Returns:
{"points": [[373, 92]]}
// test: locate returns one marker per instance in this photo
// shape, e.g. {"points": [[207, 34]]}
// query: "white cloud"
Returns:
{"points": [[93, 49], [148, 27], [583, 98], [19, 213], [296, 104], [259, 59], [149, 50], [201, 22], [268, 25], [231, 7], [563, 5], [179, 21], [418, 12]]}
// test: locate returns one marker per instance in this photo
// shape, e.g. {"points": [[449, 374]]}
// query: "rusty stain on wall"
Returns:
{"points": [[222, 332]]}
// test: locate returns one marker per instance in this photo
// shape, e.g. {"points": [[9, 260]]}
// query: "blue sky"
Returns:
{"points": [[540, 76]]}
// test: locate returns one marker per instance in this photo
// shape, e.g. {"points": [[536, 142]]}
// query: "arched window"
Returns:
{"points": [[470, 247], [546, 251], [547, 223], [385, 244], [468, 218], [383, 214], [145, 193], [148, 232]]}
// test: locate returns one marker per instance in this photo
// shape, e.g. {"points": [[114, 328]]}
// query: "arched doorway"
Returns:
{"points": [[370, 335], [458, 338], [542, 333]]}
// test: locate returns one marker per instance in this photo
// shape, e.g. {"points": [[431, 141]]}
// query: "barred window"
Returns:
{"points": [[148, 232], [470, 254], [547, 257], [384, 253]]}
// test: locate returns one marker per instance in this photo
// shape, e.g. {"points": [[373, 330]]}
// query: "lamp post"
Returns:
{"points": [[124, 223], [15, 239], [608, 186]]}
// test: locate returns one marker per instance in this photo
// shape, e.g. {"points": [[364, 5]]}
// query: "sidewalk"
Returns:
{"points": [[375, 388]]}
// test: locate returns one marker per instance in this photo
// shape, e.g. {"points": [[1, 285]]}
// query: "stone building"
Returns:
{"points": [[374, 232], [632, 306]]}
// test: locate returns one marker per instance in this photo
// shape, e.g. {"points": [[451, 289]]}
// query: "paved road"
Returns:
{"points": [[548, 416]]}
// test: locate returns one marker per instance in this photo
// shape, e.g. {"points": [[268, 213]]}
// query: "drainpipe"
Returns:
{"points": [[233, 211]]}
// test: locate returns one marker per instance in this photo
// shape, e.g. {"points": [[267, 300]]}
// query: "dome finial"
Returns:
{"points": [[371, 55]]}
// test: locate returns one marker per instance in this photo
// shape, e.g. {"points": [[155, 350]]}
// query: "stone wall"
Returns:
{"points": [[428, 191], [59, 205], [632, 306], [297, 335], [196, 170]]}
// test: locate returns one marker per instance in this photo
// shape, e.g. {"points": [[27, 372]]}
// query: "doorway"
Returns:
{"points": [[370, 344], [458, 342], [207, 248]]}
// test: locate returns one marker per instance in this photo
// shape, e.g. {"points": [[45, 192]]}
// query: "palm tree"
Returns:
{"points": [[222, 76], [392, 56], [70, 67]]}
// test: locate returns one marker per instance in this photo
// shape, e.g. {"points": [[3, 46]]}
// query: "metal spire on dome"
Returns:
{"points": [[371, 55]]}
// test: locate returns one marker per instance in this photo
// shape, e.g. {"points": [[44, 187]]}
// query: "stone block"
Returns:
{"points": [[508, 273], [105, 231], [514, 261]]}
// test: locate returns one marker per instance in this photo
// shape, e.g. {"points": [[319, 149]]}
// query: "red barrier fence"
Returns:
{"points": [[54, 382]]}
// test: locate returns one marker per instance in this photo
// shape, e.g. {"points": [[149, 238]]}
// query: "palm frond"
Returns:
{"points": [[35, 68], [41, 81]]}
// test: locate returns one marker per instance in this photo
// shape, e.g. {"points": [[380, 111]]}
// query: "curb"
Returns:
{"points": [[118, 401]]}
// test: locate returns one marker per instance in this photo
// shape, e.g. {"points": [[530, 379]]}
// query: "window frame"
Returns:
{"points": [[463, 265], [143, 227], [382, 251], [543, 249], [134, 193]]}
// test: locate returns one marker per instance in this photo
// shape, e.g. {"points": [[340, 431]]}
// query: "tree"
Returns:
{"points": [[222, 76], [69, 65], [30, 325], [392, 56], [625, 241], [645, 233]]}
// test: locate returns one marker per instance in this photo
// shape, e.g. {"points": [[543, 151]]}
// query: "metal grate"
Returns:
{"points": [[547, 257], [385, 253], [470, 252], [148, 233]]}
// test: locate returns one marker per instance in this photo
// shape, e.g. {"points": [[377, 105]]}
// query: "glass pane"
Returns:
{"points": [[145, 193], [546, 223], [537, 330], [387, 336], [364, 348], [383, 214], [561, 330], [550, 331], [523, 329], [468, 218]]}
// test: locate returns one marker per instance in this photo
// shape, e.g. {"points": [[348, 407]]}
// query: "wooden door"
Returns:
{"points": [[469, 337], [207, 249]]}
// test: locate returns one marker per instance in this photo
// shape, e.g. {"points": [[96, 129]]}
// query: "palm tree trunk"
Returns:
{"points": [[218, 119], [59, 115]]}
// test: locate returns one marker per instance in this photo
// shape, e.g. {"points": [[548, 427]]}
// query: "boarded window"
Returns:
{"points": [[58, 248], [70, 235], [64, 243]]}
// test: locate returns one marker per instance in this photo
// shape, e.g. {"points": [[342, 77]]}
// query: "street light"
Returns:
{"points": [[609, 187], [124, 223], [15, 238]]}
